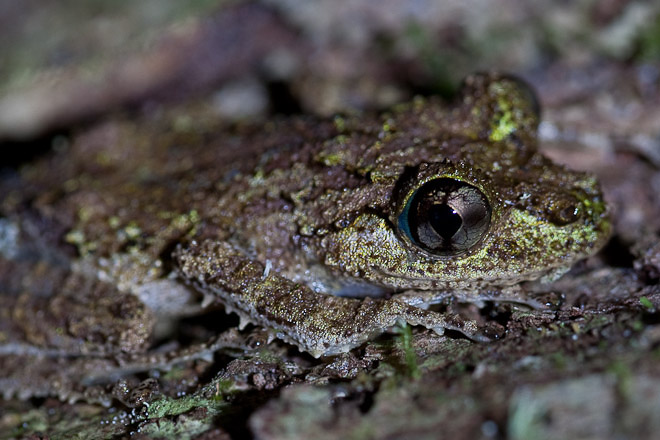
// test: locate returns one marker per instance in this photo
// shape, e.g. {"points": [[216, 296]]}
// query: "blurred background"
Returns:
{"points": [[65, 63], [68, 64]]}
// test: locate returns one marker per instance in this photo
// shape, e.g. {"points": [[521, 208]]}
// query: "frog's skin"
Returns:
{"points": [[308, 228]]}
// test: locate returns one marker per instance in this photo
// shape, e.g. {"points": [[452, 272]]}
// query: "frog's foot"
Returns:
{"points": [[507, 294], [439, 322], [319, 324]]}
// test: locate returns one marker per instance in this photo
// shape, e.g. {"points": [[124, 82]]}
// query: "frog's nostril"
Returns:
{"points": [[568, 214], [562, 210]]}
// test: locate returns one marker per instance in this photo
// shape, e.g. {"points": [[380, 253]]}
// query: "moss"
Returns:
{"points": [[525, 417], [644, 301], [404, 341], [170, 407], [504, 124], [184, 417], [637, 325], [649, 42], [621, 371], [340, 124]]}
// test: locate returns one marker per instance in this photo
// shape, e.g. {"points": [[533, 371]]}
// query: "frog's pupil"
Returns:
{"points": [[445, 220]]}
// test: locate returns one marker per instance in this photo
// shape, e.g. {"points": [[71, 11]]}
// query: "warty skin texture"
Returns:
{"points": [[296, 225], [342, 208]]}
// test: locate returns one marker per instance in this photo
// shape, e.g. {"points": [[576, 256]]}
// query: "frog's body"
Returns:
{"points": [[393, 213]]}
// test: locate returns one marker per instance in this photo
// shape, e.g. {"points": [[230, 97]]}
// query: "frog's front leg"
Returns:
{"points": [[508, 294], [317, 323]]}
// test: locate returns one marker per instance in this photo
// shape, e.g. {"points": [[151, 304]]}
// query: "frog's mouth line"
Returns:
{"points": [[497, 281]]}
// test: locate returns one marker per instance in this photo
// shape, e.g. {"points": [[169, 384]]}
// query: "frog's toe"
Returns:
{"points": [[491, 331], [439, 322]]}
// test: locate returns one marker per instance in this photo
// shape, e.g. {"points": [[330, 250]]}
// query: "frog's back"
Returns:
{"points": [[426, 199], [126, 185], [333, 192]]}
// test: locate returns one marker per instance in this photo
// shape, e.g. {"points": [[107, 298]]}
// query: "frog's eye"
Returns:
{"points": [[445, 216]]}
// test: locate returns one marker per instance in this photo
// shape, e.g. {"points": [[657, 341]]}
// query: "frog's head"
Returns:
{"points": [[451, 225], [493, 212]]}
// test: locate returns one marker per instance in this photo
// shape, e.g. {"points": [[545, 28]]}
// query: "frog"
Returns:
{"points": [[324, 232]]}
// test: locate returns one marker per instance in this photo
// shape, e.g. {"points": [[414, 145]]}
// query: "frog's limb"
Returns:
{"points": [[316, 323], [508, 294], [53, 311]]}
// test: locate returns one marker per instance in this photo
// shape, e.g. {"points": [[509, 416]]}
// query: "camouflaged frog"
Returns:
{"points": [[325, 232]]}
